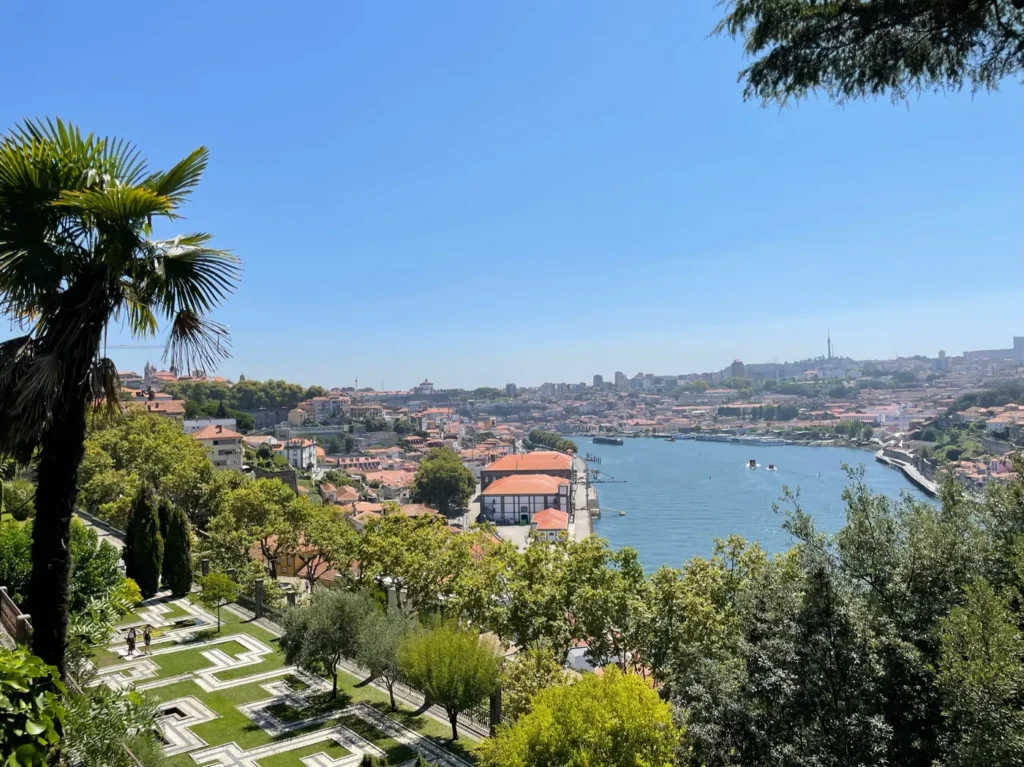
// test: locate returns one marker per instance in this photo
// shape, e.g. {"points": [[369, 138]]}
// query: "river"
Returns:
{"points": [[679, 496]]}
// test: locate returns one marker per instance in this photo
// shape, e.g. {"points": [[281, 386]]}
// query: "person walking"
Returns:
{"points": [[147, 637], [131, 641]]}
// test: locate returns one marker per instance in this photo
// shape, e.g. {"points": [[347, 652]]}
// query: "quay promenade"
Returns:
{"points": [[910, 473]]}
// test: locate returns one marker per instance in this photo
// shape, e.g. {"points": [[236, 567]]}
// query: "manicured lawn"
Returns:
{"points": [[183, 661], [233, 726], [291, 758]]}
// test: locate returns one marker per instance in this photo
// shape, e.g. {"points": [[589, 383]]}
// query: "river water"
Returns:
{"points": [[679, 496]]}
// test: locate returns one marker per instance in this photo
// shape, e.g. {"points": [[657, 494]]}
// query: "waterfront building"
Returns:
{"points": [[516, 499], [549, 523], [548, 462]]}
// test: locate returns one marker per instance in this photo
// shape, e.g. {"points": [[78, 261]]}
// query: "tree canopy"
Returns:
{"points": [[454, 666], [852, 50], [442, 481], [613, 720]]}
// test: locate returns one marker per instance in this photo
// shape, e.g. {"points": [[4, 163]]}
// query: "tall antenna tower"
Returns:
{"points": [[829, 343]]}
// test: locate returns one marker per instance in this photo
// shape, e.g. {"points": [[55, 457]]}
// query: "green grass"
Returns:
{"points": [[176, 613], [291, 758], [396, 752], [184, 661]]}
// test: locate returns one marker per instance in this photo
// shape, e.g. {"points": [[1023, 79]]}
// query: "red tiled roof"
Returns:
{"points": [[525, 484], [540, 461], [551, 519], [215, 432]]}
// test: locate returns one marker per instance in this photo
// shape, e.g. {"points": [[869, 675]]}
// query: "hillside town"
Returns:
{"points": [[907, 407]]}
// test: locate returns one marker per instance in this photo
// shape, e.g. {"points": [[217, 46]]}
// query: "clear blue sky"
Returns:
{"points": [[485, 192]]}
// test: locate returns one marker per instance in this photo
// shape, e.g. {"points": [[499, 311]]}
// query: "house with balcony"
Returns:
{"points": [[223, 445]]}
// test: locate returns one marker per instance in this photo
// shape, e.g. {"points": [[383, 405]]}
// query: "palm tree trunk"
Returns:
{"points": [[61, 450]]}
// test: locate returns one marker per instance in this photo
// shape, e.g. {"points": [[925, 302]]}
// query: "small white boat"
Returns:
{"points": [[771, 467], [622, 513]]}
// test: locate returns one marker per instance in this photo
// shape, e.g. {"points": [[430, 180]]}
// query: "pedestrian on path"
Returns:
{"points": [[147, 637], [131, 641]]}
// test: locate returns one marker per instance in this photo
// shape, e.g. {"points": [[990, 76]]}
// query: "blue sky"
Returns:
{"points": [[491, 192]]}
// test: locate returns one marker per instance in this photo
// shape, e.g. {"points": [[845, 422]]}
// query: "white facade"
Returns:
{"points": [[519, 509], [300, 453]]}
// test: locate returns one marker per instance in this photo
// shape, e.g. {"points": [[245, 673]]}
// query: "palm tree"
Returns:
{"points": [[76, 254]]}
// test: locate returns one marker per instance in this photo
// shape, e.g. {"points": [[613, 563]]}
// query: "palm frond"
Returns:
{"points": [[178, 182], [195, 342], [116, 202], [192, 276], [104, 384], [26, 381]]}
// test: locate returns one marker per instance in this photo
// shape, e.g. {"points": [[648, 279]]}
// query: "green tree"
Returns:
{"points": [[334, 445], [326, 540], [15, 559], [615, 720], [377, 644], [442, 481], [452, 666], [177, 570], [18, 498], [31, 711], [533, 669], [321, 632], [101, 723], [217, 589], [143, 545], [94, 566], [350, 444], [260, 509], [855, 50], [981, 677], [76, 223]]}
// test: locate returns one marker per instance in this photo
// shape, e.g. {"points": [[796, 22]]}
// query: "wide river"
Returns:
{"points": [[679, 496]]}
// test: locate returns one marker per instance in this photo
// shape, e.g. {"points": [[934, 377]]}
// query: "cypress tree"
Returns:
{"points": [[164, 510], [178, 554], [144, 546]]}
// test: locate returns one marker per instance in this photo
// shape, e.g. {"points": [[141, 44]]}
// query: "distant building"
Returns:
{"points": [[736, 370], [196, 424], [168, 408], [598, 381], [547, 462], [300, 453], [549, 523], [516, 499], [511, 390], [425, 388], [997, 355], [621, 381], [223, 445]]}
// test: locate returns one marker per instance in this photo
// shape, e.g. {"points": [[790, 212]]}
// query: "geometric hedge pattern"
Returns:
{"points": [[180, 653]]}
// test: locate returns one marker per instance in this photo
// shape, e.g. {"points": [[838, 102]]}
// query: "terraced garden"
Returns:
{"points": [[228, 698]]}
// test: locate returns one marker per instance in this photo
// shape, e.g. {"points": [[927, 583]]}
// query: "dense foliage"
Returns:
{"points": [[123, 453], [244, 395], [177, 562], [615, 720], [858, 49], [143, 545], [552, 440], [1004, 394], [31, 710], [442, 481], [94, 567], [453, 666], [320, 633], [15, 559]]}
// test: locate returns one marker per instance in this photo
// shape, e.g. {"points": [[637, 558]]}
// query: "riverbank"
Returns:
{"points": [[911, 473]]}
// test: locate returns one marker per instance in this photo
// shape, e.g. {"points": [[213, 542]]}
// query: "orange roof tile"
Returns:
{"points": [[540, 461], [526, 484], [215, 432], [551, 519]]}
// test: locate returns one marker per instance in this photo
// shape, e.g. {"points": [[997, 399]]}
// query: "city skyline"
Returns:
{"points": [[485, 193]]}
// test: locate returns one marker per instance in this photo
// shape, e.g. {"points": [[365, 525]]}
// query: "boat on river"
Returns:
{"points": [[607, 440], [752, 464]]}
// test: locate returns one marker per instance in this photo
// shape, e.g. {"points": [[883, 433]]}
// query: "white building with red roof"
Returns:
{"points": [[223, 445], [516, 499]]}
